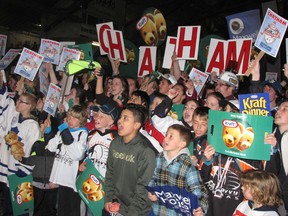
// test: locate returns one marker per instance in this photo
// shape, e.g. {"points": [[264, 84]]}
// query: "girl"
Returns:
{"points": [[262, 191], [215, 101], [120, 90], [69, 145]]}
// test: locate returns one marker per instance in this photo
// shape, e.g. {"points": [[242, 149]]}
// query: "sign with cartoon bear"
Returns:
{"points": [[240, 135], [22, 195], [271, 33], [50, 50], [90, 187]]}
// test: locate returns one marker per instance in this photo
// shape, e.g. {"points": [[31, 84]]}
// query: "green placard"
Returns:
{"points": [[90, 187], [22, 196], [240, 135]]}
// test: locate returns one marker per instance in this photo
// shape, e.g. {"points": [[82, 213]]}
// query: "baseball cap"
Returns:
{"points": [[171, 78], [274, 84], [110, 108], [229, 78]]}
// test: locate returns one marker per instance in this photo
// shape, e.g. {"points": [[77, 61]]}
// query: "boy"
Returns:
{"points": [[130, 165], [175, 168]]}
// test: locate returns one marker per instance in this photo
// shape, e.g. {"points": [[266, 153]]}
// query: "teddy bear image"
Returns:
{"points": [[148, 31], [130, 55], [93, 188], [160, 25], [231, 135], [23, 196], [25, 186], [17, 149], [246, 139]]}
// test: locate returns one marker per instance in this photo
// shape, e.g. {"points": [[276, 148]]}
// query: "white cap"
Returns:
{"points": [[230, 78], [171, 78]]}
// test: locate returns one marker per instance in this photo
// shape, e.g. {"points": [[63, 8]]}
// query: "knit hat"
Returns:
{"points": [[274, 84]]}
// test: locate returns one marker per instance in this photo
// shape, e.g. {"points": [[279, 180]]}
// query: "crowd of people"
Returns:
{"points": [[138, 132]]}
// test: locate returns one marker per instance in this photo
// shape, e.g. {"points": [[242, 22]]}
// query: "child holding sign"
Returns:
{"points": [[175, 168]]}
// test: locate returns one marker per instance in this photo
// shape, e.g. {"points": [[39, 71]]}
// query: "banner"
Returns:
{"points": [[244, 25], [240, 135]]}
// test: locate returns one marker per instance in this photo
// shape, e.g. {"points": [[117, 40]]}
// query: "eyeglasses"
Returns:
{"points": [[21, 101]]}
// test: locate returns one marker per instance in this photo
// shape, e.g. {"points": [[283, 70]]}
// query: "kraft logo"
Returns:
{"points": [[230, 123], [94, 179]]}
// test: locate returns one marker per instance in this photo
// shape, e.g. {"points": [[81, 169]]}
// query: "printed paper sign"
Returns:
{"points": [[68, 54], [222, 52], [28, 64], [3, 43], [271, 33], [90, 187], [8, 58], [50, 50], [85, 49], [240, 135], [52, 99], [199, 79], [254, 104], [44, 79], [175, 198], [169, 49]]}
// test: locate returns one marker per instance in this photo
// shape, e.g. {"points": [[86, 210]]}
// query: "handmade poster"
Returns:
{"points": [[239, 135], [3, 43], [22, 195], [90, 187], [85, 49], [68, 54], [199, 79], [169, 49], [271, 76], [244, 25], [271, 33], [254, 104], [9, 57], [175, 198], [52, 99], [102, 36], [28, 64], [50, 50], [147, 60]]}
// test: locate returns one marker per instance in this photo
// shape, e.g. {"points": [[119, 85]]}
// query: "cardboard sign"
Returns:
{"points": [[116, 45], [244, 25], [85, 49], [175, 198], [28, 64], [52, 99], [22, 195], [199, 79], [221, 52], [102, 36], [187, 45], [239, 135], [3, 43], [271, 33], [169, 49], [147, 60], [90, 187], [50, 50], [8, 58], [255, 104]]}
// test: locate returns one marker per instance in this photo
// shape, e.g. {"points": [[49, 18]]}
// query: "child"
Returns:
{"points": [[262, 191], [175, 168], [69, 145], [130, 164], [42, 159]]}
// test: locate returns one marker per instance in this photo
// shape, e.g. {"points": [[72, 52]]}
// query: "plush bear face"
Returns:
{"points": [[160, 24], [96, 195], [231, 135], [130, 55], [90, 186], [11, 138], [149, 31], [246, 139]]}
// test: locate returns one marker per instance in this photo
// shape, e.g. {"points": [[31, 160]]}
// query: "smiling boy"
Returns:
{"points": [[130, 164]]}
